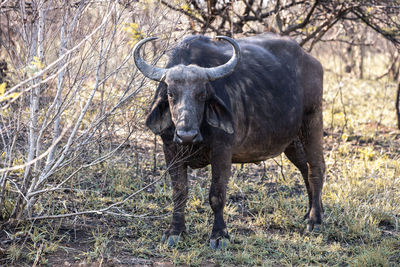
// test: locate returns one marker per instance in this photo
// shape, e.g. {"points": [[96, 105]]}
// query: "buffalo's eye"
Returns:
{"points": [[202, 96], [171, 95]]}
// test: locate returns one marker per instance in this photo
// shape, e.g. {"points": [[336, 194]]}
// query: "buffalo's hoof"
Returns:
{"points": [[171, 240], [315, 228], [220, 243]]}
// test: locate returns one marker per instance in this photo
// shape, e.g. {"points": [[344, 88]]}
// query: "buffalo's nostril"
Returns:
{"points": [[186, 136], [177, 139]]}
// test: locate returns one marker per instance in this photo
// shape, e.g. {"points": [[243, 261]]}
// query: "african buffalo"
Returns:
{"points": [[216, 106]]}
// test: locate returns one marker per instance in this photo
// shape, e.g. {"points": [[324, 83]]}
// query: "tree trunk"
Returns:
{"points": [[398, 106]]}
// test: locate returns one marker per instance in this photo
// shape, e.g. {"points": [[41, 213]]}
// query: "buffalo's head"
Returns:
{"points": [[188, 96]]}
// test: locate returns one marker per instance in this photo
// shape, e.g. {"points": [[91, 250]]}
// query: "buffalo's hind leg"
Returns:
{"points": [[307, 155], [312, 136], [295, 153], [178, 172]]}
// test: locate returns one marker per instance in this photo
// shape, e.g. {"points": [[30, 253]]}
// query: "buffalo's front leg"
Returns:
{"points": [[221, 171], [178, 172]]}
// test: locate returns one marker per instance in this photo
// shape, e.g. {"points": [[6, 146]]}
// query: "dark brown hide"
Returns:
{"points": [[271, 103]]}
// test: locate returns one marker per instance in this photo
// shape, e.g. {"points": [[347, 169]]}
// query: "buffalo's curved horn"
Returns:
{"points": [[151, 72], [227, 68]]}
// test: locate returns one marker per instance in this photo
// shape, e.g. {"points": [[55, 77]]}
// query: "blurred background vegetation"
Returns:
{"points": [[82, 179]]}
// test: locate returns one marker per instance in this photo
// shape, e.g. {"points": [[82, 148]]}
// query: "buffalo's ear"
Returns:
{"points": [[159, 117], [218, 115]]}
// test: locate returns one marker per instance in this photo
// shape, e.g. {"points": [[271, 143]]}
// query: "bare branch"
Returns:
{"points": [[33, 161], [304, 22]]}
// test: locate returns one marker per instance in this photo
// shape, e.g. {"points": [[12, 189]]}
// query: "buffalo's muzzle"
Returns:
{"points": [[187, 137]]}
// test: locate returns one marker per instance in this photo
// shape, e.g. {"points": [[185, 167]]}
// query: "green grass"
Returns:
{"points": [[265, 207]]}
